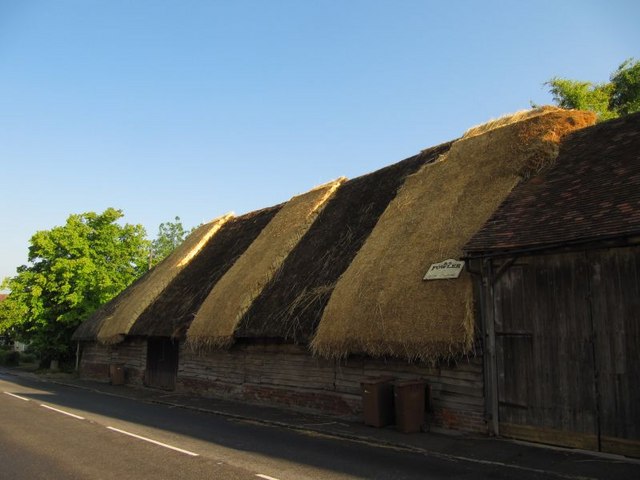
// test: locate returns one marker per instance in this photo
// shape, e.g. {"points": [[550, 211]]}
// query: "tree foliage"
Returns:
{"points": [[170, 235], [620, 96], [625, 81], [73, 270]]}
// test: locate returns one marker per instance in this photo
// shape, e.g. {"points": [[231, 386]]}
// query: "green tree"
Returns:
{"points": [[620, 96], [170, 235], [73, 270], [625, 81]]}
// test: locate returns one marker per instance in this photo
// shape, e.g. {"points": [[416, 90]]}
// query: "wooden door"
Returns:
{"points": [[615, 303], [162, 363], [567, 337], [544, 352]]}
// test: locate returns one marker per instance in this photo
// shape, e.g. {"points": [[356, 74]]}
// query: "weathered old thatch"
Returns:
{"points": [[118, 317], [88, 330], [381, 306], [291, 305], [230, 298], [172, 312]]}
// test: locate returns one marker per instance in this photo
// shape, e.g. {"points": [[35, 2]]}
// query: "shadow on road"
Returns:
{"points": [[356, 459]]}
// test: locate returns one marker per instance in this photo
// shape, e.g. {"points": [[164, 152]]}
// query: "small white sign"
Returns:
{"points": [[448, 269]]}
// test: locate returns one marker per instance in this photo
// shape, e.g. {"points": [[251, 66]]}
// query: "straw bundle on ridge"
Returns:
{"points": [[230, 298], [381, 306], [133, 301]]}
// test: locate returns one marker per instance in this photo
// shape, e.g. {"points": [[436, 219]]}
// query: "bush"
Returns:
{"points": [[12, 359], [29, 350], [27, 358], [9, 359]]}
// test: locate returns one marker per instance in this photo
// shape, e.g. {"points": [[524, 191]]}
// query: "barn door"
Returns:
{"points": [[567, 335], [162, 363], [544, 352], [615, 303]]}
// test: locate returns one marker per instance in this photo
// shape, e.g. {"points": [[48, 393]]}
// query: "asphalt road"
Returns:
{"points": [[56, 432]]}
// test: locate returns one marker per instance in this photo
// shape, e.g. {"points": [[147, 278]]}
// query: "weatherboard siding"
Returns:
{"points": [[96, 359], [288, 376], [133, 354]]}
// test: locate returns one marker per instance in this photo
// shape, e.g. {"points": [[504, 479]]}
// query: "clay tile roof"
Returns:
{"points": [[592, 192]]}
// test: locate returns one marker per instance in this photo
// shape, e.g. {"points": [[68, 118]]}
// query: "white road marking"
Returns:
{"points": [[155, 442], [62, 411], [18, 396], [266, 477]]}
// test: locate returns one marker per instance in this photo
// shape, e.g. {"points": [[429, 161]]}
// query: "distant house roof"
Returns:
{"points": [[3, 296], [591, 193]]}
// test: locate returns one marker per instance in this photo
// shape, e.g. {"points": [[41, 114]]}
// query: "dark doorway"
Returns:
{"points": [[162, 363]]}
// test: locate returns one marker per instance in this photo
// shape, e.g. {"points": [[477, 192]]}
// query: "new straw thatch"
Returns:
{"points": [[291, 305], [230, 298], [173, 311], [125, 309], [381, 306]]}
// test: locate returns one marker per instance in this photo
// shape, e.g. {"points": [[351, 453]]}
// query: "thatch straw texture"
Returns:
{"points": [[291, 305], [231, 297], [508, 119], [134, 300], [381, 306], [88, 330], [173, 311]]}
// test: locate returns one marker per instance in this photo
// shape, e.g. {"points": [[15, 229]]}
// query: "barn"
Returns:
{"points": [[296, 304], [558, 265]]}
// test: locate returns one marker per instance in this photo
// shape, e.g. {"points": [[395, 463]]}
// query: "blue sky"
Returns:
{"points": [[197, 108]]}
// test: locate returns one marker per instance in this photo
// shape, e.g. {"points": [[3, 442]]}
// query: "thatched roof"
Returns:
{"points": [[291, 305], [381, 306], [112, 321], [173, 311], [219, 314], [591, 193], [342, 266], [88, 330]]}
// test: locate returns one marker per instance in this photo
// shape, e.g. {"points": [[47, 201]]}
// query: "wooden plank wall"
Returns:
{"points": [[94, 361], [132, 352], [96, 358], [567, 334], [288, 375], [615, 300], [545, 359]]}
